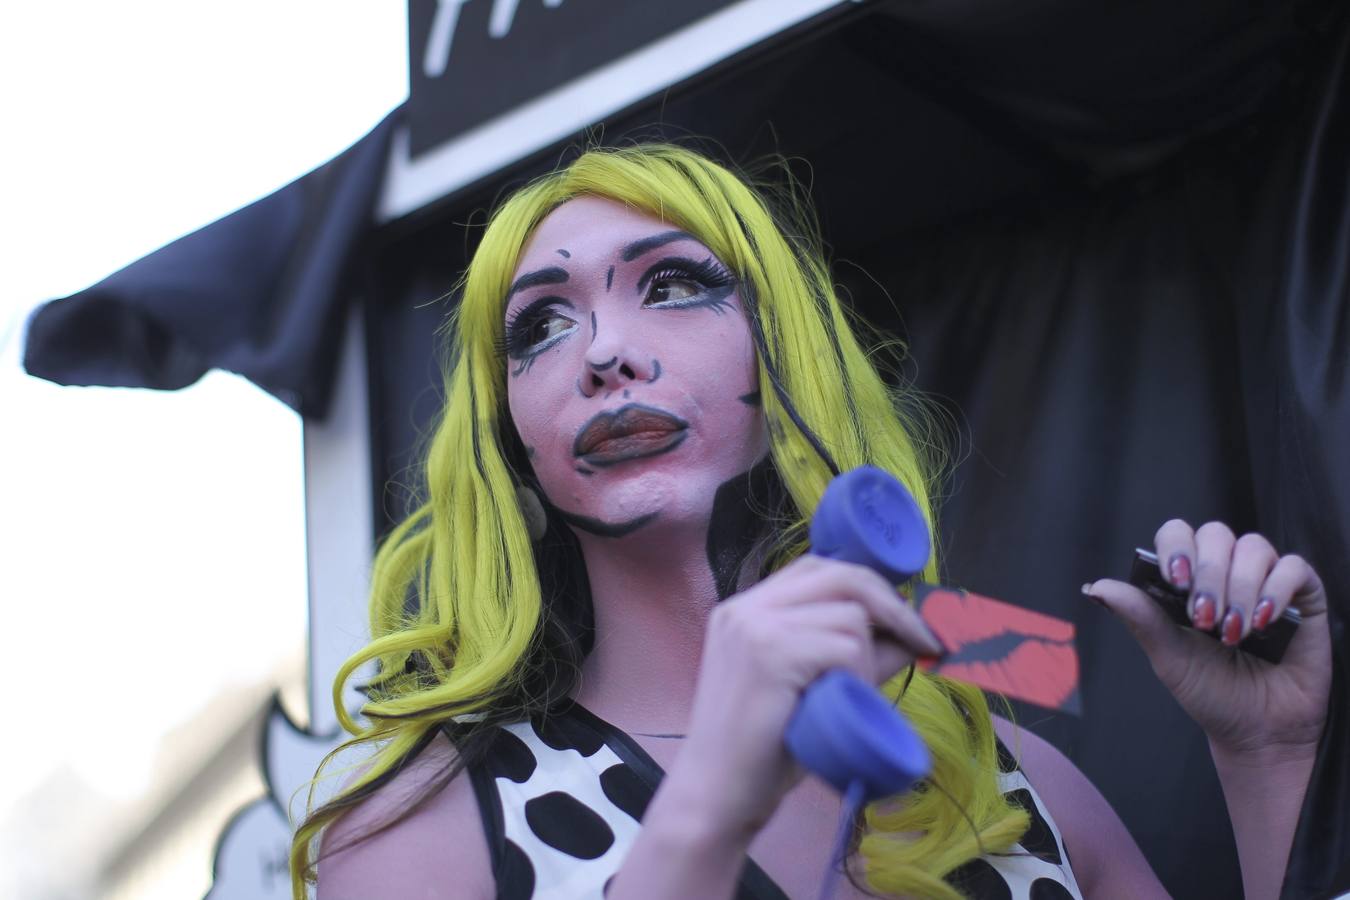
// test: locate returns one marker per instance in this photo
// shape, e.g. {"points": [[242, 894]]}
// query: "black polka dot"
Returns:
{"points": [[979, 879], [1045, 889], [566, 824], [1039, 839], [515, 881], [566, 733], [625, 790], [604, 892], [510, 758]]}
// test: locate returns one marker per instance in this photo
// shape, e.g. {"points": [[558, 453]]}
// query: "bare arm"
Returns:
{"points": [[1263, 721], [438, 850], [1107, 863], [1264, 792]]}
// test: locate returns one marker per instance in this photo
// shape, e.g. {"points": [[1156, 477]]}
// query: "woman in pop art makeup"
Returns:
{"points": [[593, 632]]}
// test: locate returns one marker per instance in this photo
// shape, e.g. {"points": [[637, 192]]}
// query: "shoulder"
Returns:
{"points": [[439, 845], [1106, 860]]}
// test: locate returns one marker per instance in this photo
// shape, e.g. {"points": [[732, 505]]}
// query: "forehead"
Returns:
{"points": [[587, 227]]}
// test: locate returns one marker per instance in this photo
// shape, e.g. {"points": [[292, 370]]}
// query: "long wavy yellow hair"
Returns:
{"points": [[469, 625]]}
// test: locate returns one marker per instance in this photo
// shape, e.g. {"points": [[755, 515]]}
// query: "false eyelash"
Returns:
{"points": [[518, 322], [708, 273]]}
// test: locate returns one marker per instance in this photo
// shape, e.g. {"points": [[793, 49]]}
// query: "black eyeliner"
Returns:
{"points": [[513, 343], [709, 272], [713, 281]]}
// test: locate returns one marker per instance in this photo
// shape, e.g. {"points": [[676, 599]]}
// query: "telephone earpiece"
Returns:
{"points": [[843, 730]]}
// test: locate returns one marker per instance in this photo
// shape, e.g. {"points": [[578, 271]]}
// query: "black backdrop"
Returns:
{"points": [[1116, 246]]}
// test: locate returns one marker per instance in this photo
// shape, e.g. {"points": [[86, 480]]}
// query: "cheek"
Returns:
{"points": [[725, 361], [527, 413], [534, 412]]}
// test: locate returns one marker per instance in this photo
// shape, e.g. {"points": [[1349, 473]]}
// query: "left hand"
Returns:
{"points": [[1245, 705]]}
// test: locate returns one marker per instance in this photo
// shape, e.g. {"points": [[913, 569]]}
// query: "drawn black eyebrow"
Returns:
{"points": [[647, 244], [551, 275]]}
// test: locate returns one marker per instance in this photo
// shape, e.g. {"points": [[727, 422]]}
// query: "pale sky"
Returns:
{"points": [[151, 544]]}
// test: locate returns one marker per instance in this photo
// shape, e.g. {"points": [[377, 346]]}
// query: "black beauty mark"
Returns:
{"points": [[656, 371], [564, 254], [744, 511], [609, 278], [751, 399], [594, 328]]}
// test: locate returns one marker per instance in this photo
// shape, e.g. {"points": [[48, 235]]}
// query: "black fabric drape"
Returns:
{"points": [[1173, 344], [259, 293], [1294, 324]]}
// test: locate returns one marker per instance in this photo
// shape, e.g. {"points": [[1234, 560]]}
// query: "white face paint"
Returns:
{"points": [[631, 373]]}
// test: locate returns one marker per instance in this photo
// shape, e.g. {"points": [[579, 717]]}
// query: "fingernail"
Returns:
{"points": [[1232, 627], [1265, 608], [1087, 592], [1179, 570], [1203, 611], [939, 648]]}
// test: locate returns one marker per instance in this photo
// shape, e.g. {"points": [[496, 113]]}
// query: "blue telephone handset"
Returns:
{"points": [[843, 730]]}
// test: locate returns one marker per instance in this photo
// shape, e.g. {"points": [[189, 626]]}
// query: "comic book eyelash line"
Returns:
{"points": [[522, 338]]}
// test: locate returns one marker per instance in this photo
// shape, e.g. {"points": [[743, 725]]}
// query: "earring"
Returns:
{"points": [[536, 523]]}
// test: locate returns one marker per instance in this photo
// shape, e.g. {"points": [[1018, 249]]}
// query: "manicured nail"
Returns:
{"points": [[1232, 627], [1087, 592], [1265, 608], [1179, 570], [1203, 611]]}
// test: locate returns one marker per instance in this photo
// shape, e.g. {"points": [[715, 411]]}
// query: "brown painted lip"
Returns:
{"points": [[629, 432]]}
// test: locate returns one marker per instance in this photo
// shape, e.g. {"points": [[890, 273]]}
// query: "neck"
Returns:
{"points": [[651, 612], [652, 592]]}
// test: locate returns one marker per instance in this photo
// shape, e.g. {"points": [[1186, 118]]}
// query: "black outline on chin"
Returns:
{"points": [[604, 529]]}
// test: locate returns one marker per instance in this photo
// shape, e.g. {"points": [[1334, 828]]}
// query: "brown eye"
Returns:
{"points": [[547, 327], [536, 328], [666, 289]]}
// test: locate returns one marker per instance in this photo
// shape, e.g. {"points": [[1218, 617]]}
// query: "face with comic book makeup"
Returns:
{"points": [[631, 372]]}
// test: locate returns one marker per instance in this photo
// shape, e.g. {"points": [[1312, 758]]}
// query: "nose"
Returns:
{"points": [[613, 362]]}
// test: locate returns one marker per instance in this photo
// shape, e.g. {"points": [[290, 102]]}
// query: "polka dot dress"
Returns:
{"points": [[1037, 867], [562, 798]]}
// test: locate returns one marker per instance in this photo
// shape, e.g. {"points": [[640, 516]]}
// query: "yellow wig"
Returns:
{"points": [[467, 618]]}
